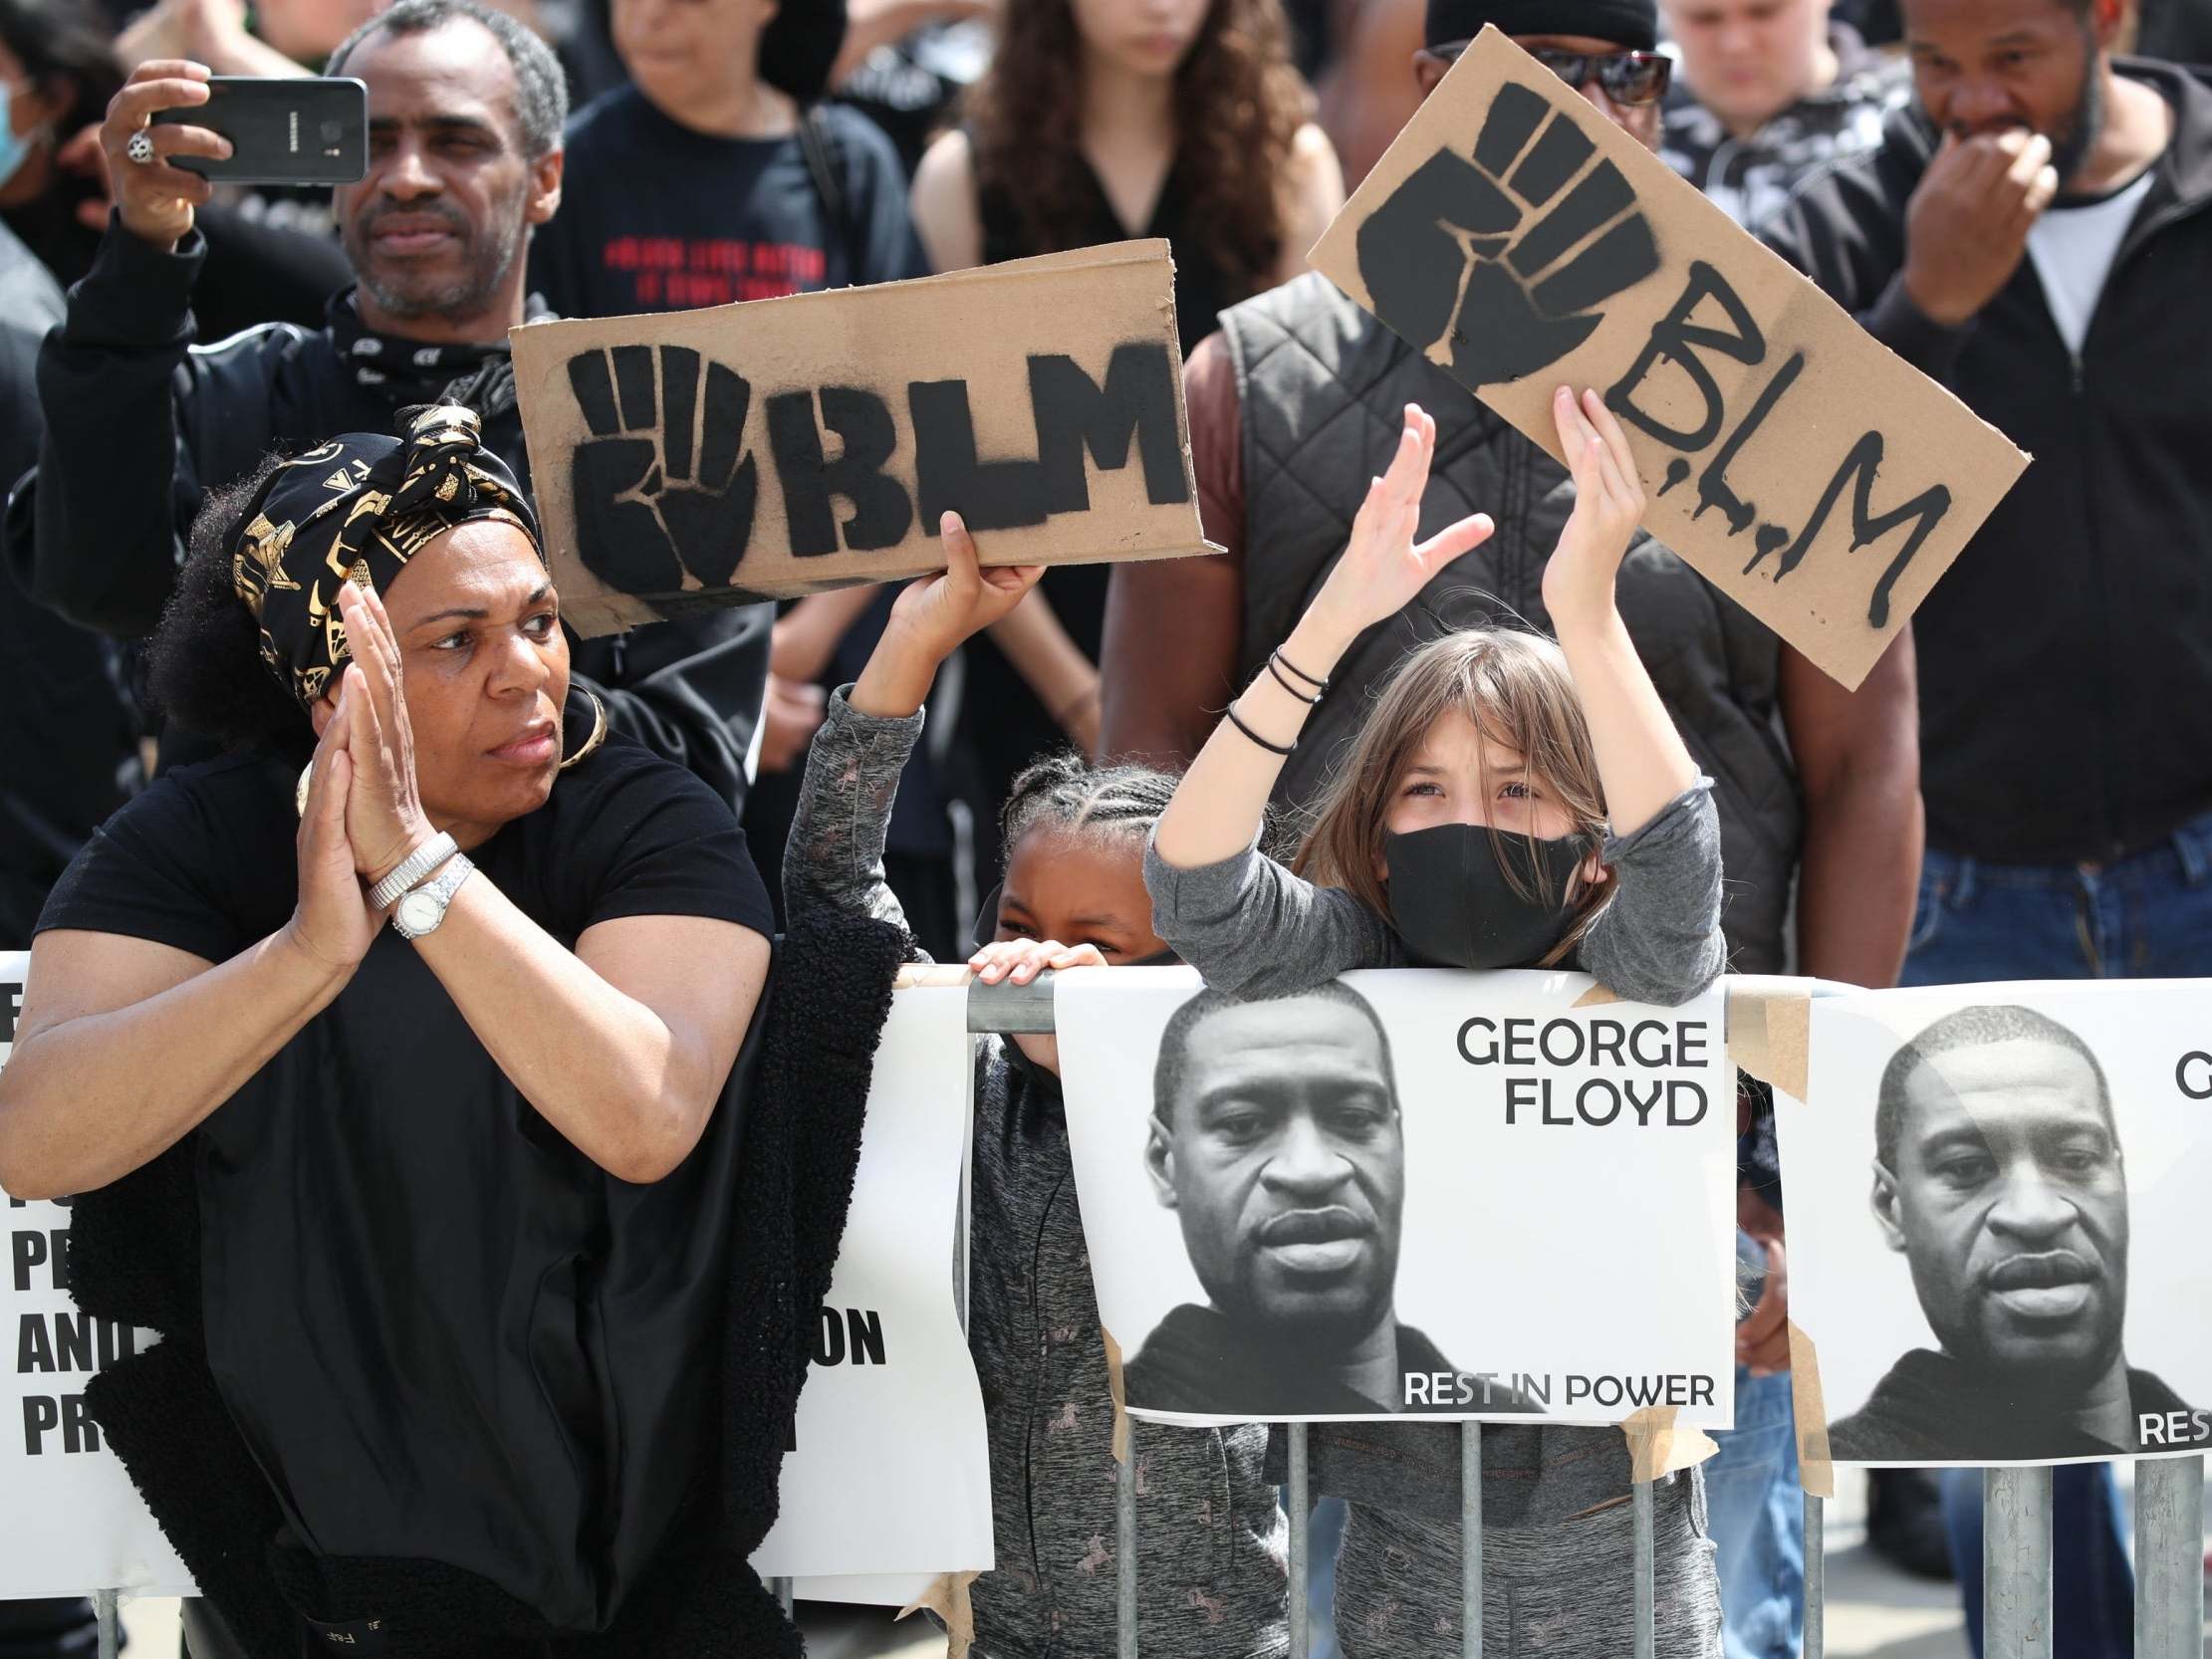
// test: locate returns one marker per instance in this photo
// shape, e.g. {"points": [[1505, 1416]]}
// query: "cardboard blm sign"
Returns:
{"points": [[1522, 241], [777, 447]]}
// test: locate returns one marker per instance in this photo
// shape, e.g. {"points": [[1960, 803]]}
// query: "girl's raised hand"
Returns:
{"points": [[1608, 504], [1022, 960], [936, 613], [1383, 569], [931, 617]]}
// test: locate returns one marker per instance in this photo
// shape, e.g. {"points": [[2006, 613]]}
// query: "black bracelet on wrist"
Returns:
{"points": [[1237, 721], [1319, 685], [1312, 701]]}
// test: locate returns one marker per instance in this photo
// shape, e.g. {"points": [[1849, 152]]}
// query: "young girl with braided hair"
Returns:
{"points": [[1211, 1540]]}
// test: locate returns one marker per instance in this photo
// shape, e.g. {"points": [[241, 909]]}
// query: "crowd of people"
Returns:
{"points": [[1436, 702]]}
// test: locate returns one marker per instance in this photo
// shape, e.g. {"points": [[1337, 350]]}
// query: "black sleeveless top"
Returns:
{"points": [[1005, 727], [1203, 287]]}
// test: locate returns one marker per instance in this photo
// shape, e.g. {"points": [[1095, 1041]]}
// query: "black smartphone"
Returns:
{"points": [[307, 129]]}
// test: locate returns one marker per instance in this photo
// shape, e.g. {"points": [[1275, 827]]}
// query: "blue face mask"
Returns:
{"points": [[14, 147]]}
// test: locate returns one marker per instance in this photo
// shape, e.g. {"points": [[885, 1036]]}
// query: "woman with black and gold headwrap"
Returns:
{"points": [[458, 1176]]}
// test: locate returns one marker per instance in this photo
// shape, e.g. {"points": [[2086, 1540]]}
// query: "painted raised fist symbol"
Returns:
{"points": [[659, 488], [1501, 260]]}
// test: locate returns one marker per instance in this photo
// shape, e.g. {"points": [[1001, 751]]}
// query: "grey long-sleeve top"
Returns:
{"points": [[1210, 1541], [1254, 929]]}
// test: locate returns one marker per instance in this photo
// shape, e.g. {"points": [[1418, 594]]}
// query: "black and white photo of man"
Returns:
{"points": [[1999, 1175], [1278, 1141]]}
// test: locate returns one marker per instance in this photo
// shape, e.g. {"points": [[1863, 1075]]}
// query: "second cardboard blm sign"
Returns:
{"points": [[1522, 241]]}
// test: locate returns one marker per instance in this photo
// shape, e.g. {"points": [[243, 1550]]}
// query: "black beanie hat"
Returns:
{"points": [[1633, 24]]}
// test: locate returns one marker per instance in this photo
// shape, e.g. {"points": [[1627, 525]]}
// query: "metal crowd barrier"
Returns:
{"points": [[2016, 1550]]}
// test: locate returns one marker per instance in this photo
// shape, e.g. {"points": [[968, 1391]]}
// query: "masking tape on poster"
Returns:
{"points": [[1658, 1447], [1815, 1472], [1770, 1029], [1113, 1387], [947, 1597]]}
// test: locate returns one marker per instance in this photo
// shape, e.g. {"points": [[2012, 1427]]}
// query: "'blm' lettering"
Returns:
{"points": [[1678, 337]]}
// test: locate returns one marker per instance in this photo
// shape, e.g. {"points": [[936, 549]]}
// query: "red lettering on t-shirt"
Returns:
{"points": [[680, 274]]}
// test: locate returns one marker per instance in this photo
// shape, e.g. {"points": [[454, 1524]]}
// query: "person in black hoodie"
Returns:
{"points": [[2033, 233], [465, 159]]}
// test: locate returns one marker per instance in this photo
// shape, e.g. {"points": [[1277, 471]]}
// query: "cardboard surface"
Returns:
{"points": [[714, 458], [1522, 241]]}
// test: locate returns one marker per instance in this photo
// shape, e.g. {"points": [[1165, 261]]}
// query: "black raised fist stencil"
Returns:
{"points": [[1480, 257], [659, 491]]}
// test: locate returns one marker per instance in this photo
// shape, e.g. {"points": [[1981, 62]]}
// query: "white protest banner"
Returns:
{"points": [[1522, 241], [70, 1521], [1997, 1241], [889, 1472], [1462, 1195], [703, 458]]}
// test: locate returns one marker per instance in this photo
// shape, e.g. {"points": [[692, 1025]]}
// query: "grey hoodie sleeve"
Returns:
{"points": [[833, 859], [1253, 929], [1659, 940]]}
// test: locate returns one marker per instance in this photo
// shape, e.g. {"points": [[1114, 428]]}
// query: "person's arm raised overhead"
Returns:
{"points": [[95, 533], [1641, 760], [835, 856], [1218, 808]]}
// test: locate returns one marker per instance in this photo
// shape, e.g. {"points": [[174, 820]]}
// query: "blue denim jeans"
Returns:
{"points": [[2146, 917], [1757, 1513]]}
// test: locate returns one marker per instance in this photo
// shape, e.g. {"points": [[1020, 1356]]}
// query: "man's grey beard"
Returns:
{"points": [[463, 299]]}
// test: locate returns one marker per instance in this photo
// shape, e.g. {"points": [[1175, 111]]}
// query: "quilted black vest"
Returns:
{"points": [[1322, 388]]}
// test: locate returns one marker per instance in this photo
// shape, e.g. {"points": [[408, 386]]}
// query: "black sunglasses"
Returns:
{"points": [[1628, 78]]}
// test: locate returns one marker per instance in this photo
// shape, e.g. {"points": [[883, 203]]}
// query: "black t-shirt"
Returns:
{"points": [[658, 217], [445, 1333]]}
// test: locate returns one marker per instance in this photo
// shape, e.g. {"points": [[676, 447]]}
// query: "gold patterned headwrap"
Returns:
{"points": [[357, 510]]}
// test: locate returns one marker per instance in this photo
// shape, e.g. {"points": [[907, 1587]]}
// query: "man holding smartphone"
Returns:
{"points": [[464, 160]]}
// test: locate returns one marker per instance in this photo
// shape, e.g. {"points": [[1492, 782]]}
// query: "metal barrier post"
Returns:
{"points": [[1647, 1607], [781, 1588], [1125, 1553], [107, 1610], [2016, 1563], [2170, 1558], [1815, 1576], [1302, 1507], [1009, 1007], [1470, 1540]]}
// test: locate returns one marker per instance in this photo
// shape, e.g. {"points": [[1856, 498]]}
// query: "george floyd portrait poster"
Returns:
{"points": [[1483, 1197], [1997, 1241]]}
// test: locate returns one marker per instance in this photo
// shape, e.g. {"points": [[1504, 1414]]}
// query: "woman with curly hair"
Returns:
{"points": [[1101, 121]]}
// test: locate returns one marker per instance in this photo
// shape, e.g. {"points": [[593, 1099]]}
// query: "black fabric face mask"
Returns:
{"points": [[1454, 905]]}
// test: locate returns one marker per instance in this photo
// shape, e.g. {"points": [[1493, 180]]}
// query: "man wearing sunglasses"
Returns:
{"points": [[1294, 405]]}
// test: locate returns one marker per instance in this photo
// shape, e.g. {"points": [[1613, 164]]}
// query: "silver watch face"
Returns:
{"points": [[420, 911]]}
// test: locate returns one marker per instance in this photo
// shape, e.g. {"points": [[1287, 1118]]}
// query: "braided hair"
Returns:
{"points": [[1068, 793]]}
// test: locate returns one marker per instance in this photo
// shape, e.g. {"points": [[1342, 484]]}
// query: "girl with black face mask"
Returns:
{"points": [[1508, 803]]}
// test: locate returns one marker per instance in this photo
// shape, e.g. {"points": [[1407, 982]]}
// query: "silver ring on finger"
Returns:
{"points": [[141, 146]]}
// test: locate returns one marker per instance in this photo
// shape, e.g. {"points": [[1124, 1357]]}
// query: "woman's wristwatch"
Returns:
{"points": [[421, 910]]}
